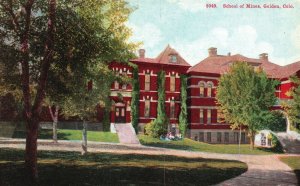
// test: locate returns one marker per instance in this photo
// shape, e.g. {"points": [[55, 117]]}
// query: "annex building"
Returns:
{"points": [[204, 117]]}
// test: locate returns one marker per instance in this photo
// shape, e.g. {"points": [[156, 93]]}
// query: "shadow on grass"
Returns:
{"points": [[43, 134], [70, 168]]}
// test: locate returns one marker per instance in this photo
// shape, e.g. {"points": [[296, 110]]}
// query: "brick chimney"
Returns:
{"points": [[212, 52], [142, 53], [264, 56]]}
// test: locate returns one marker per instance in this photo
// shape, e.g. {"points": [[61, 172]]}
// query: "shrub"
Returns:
{"points": [[149, 129], [276, 145]]}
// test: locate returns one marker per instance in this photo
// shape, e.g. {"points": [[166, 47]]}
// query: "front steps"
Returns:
{"points": [[126, 133]]}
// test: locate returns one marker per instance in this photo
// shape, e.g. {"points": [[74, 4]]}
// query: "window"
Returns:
{"points": [[226, 137], [243, 137], [147, 82], [124, 86], [209, 89], [172, 83], [201, 89], [116, 85], [219, 137], [236, 137], [147, 108], [208, 136], [201, 116], [173, 58], [208, 116], [172, 109], [201, 136]]}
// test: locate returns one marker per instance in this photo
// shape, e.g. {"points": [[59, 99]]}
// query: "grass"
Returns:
{"points": [[294, 163], [70, 168], [64, 134], [191, 145]]}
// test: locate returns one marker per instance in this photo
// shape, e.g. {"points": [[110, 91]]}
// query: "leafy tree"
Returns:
{"points": [[135, 98], [183, 111], [160, 124], [245, 97], [292, 107], [277, 122], [47, 43]]}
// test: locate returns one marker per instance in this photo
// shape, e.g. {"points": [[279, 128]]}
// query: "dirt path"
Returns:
{"points": [[262, 169]]}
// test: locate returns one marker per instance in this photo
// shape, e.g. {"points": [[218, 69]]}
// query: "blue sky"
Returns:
{"points": [[191, 28]]}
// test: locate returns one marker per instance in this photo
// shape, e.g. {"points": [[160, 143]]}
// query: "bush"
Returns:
{"points": [[149, 129], [276, 145], [157, 128]]}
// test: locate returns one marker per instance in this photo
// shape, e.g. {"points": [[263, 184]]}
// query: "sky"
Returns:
{"points": [[191, 28]]}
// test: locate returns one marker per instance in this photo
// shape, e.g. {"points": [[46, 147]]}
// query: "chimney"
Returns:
{"points": [[142, 53], [212, 52], [263, 56]]}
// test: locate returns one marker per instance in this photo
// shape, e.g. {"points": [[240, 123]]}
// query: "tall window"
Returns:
{"points": [[172, 83], [201, 116], [201, 89], [243, 138], [147, 82], [124, 86], [201, 136], [219, 137], [147, 108], [226, 137], [208, 136], [172, 109], [208, 116], [209, 89], [236, 137]]}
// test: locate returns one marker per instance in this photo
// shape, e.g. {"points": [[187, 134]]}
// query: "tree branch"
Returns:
{"points": [[48, 55]]}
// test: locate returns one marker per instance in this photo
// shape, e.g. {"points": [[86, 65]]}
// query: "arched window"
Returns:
{"points": [[124, 86], [209, 89], [201, 89]]}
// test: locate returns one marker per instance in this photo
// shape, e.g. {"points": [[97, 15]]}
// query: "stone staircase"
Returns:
{"points": [[126, 134], [290, 141]]}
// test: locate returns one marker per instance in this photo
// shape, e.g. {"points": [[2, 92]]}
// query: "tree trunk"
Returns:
{"points": [[252, 137], [84, 138], [54, 117], [31, 149]]}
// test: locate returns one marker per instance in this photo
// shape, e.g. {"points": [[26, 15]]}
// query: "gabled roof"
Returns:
{"points": [[289, 70], [219, 64], [164, 58]]}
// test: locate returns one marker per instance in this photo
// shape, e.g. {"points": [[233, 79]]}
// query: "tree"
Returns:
{"points": [[292, 107], [162, 121], [16, 33], [183, 111], [135, 98], [45, 43], [245, 97]]}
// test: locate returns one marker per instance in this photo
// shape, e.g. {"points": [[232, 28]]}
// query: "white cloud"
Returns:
{"points": [[296, 37], [242, 40], [148, 33]]}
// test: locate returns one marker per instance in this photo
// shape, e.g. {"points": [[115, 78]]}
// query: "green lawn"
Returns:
{"points": [[294, 163], [191, 145], [70, 168], [64, 134]]}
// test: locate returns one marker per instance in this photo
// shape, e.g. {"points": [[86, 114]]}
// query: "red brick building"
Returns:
{"points": [[203, 114]]}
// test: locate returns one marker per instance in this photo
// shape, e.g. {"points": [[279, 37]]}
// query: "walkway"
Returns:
{"points": [[262, 169]]}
